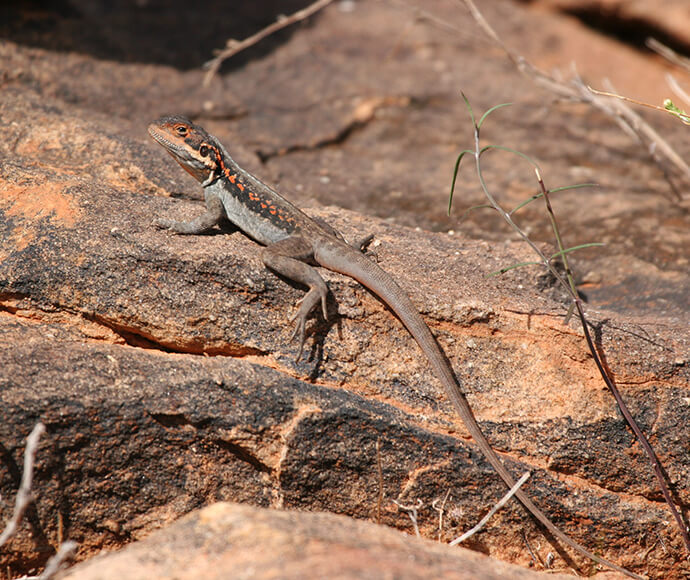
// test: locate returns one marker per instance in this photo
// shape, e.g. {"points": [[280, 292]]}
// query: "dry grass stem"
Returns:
{"points": [[498, 506], [65, 552], [672, 165], [24, 497], [669, 54]]}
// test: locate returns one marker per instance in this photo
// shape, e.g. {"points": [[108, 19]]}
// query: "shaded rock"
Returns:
{"points": [[666, 20]]}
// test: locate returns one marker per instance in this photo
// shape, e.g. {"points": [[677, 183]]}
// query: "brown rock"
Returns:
{"points": [[111, 331], [227, 540], [667, 20]]}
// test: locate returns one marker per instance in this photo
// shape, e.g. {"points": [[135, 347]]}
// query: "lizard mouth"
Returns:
{"points": [[161, 139], [184, 155]]}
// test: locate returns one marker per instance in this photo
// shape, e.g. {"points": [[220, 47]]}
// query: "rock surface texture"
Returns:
{"points": [[161, 364], [237, 541]]}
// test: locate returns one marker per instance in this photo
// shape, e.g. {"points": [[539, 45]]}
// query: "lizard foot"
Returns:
{"points": [[363, 244], [305, 306], [163, 224]]}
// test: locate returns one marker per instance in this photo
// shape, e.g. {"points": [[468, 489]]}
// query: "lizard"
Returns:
{"points": [[293, 243]]}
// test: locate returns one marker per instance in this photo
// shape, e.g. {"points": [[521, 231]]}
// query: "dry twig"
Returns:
{"points": [[234, 46], [674, 86], [668, 53], [498, 506], [440, 509], [577, 90], [412, 511], [65, 552], [379, 472], [536, 558], [24, 496]]}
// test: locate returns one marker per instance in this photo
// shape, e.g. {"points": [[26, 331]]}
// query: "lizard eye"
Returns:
{"points": [[181, 130], [203, 150]]}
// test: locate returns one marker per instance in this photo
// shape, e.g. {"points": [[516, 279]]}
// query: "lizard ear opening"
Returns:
{"points": [[203, 150]]}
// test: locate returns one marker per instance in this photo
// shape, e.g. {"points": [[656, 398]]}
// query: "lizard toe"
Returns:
{"points": [[301, 331]]}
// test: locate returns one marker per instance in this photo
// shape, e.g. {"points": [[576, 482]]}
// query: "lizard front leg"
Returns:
{"points": [[214, 214], [289, 258]]}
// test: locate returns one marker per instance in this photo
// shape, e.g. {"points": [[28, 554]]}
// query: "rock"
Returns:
{"points": [[226, 540], [161, 364], [665, 20]]}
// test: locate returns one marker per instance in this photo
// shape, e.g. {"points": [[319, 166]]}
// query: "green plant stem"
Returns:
{"points": [[656, 464], [569, 284]]}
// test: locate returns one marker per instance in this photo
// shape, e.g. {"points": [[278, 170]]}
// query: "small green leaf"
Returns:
{"points": [[575, 186], [524, 203], [491, 110], [678, 112], [580, 247], [455, 176], [482, 206], [555, 190], [510, 150], [469, 108]]}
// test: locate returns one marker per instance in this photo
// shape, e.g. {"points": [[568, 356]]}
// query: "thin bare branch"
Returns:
{"points": [[668, 53], [441, 510], [379, 473], [234, 46], [536, 558], [649, 450], [659, 149], [624, 98], [24, 496], [431, 18], [65, 552], [412, 511], [677, 89], [498, 506], [577, 90]]}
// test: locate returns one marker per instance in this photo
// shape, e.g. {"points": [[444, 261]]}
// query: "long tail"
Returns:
{"points": [[352, 263]]}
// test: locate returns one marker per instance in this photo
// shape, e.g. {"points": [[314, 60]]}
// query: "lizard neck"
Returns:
{"points": [[253, 206]]}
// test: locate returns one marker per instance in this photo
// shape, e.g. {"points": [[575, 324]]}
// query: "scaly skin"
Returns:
{"points": [[293, 243]]}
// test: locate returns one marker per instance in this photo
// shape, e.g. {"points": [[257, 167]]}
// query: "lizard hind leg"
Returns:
{"points": [[289, 258], [362, 244]]}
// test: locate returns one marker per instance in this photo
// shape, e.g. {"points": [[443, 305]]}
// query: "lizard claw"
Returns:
{"points": [[305, 305], [164, 224], [299, 329]]}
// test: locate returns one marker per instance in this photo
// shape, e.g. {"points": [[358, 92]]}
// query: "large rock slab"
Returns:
{"points": [[236, 541], [161, 364]]}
